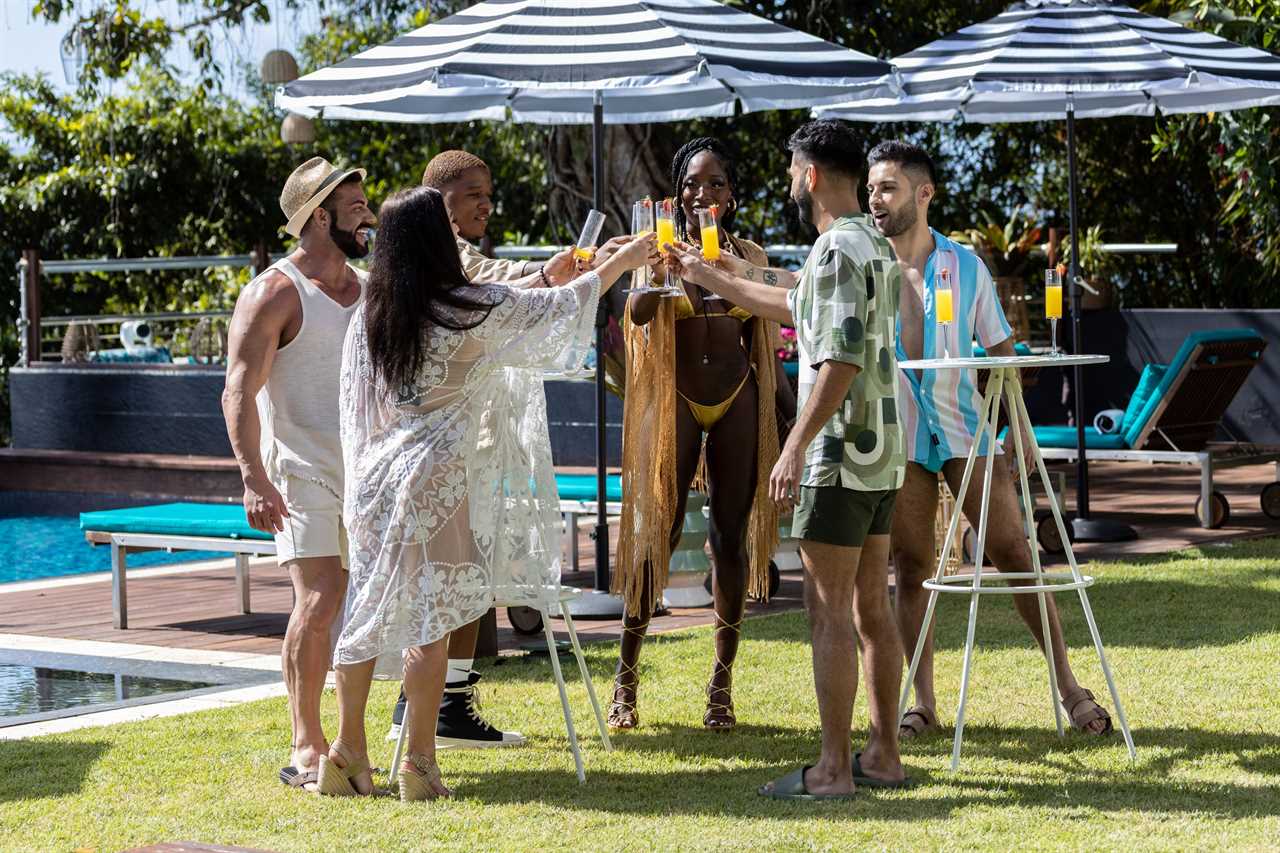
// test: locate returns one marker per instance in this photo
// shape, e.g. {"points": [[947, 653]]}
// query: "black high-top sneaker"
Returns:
{"points": [[461, 726]]}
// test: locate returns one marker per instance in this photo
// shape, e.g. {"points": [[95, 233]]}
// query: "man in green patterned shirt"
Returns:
{"points": [[844, 459]]}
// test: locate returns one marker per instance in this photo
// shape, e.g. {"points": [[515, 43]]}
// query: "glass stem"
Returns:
{"points": [[1053, 333]]}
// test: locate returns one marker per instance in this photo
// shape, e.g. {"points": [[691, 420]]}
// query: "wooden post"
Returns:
{"points": [[31, 292]]}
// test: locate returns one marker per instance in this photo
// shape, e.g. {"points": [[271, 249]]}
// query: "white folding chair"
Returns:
{"points": [[566, 594]]}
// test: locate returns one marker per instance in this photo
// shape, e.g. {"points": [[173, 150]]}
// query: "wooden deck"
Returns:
{"points": [[197, 609]]}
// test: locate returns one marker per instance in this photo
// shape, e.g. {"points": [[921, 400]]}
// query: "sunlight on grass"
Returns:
{"points": [[1193, 639]]}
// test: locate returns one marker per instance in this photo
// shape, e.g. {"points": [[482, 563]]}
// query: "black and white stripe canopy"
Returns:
{"points": [[545, 60], [1107, 58]]}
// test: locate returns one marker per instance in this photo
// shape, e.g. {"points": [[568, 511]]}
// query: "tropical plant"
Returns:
{"points": [[1095, 262], [1008, 249]]}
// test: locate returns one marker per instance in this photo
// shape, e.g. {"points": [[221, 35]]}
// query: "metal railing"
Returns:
{"points": [[786, 254], [117, 265]]}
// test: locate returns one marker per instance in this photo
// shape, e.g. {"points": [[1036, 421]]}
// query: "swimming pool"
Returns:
{"points": [[38, 686], [47, 546]]}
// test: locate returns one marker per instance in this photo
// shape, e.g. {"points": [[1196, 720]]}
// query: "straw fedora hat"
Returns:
{"points": [[308, 186]]}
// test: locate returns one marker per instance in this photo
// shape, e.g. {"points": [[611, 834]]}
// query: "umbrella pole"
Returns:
{"points": [[1084, 528], [602, 319], [599, 603]]}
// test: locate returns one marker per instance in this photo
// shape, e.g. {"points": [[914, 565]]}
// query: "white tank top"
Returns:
{"points": [[298, 407]]}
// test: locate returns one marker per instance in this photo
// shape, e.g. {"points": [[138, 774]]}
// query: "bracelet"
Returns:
{"points": [[542, 273]]}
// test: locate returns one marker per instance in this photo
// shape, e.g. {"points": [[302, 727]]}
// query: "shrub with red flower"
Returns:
{"points": [[788, 351]]}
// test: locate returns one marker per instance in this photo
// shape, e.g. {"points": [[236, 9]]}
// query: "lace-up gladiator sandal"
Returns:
{"points": [[719, 715], [622, 708]]}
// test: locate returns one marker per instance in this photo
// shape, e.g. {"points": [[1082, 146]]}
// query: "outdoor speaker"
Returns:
{"points": [[135, 335]]}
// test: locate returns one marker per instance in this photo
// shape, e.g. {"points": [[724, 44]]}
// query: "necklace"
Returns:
{"points": [[702, 297]]}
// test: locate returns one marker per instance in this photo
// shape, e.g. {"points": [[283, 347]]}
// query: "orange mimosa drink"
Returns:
{"points": [[710, 232]]}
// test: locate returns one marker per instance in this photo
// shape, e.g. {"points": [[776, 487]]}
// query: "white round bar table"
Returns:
{"points": [[1003, 384]]}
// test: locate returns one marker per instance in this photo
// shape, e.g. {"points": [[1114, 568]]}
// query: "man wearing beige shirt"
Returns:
{"points": [[467, 185]]}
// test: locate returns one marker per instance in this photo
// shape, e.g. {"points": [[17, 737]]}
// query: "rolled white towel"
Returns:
{"points": [[1108, 420]]}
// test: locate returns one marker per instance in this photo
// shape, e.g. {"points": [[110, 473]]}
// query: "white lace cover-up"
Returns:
{"points": [[450, 496]]}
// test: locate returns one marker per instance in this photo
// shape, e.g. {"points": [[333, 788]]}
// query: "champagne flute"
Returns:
{"points": [[1053, 303], [585, 248], [664, 218], [708, 224], [641, 224], [943, 304]]}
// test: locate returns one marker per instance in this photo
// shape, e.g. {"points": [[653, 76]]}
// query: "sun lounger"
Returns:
{"points": [[175, 527], [578, 497], [1174, 415], [222, 528]]}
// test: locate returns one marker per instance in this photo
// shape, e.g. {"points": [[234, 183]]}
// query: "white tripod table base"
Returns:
{"points": [[1042, 582]]}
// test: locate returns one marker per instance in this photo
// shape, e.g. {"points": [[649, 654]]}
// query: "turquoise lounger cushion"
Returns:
{"points": [[1175, 367], [582, 487], [224, 521], [1152, 376], [1065, 436]]}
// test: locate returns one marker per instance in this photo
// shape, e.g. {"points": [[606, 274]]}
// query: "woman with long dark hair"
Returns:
{"points": [[450, 496], [703, 385]]}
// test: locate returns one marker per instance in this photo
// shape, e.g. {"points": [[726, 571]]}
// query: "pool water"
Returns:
{"points": [[35, 690], [47, 546]]}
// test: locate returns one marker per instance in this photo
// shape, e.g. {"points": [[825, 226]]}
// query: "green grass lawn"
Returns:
{"points": [[1193, 638]]}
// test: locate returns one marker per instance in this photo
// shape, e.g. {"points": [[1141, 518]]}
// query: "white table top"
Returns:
{"points": [[989, 362]]}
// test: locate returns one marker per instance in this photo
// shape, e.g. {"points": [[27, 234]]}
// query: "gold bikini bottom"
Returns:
{"points": [[708, 416]]}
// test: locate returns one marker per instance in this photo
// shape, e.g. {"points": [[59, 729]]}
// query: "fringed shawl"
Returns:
{"points": [[649, 452]]}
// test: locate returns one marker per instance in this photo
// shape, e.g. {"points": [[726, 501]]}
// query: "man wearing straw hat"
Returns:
{"points": [[281, 408]]}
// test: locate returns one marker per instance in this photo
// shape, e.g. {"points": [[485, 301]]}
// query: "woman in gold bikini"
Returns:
{"points": [[714, 426]]}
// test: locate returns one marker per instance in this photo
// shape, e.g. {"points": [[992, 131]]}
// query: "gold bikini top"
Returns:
{"points": [[684, 307]]}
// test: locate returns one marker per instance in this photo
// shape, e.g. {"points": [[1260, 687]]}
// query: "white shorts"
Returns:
{"points": [[314, 527]]}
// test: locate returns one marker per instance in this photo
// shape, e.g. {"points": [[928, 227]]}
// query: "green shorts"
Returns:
{"points": [[835, 515]]}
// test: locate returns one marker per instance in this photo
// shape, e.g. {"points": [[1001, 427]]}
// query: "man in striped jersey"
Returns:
{"points": [[939, 411]]}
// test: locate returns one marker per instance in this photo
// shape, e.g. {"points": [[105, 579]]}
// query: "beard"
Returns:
{"points": [[803, 200], [898, 221], [346, 240]]}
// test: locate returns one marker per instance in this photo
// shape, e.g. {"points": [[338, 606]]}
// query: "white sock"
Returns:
{"points": [[459, 670]]}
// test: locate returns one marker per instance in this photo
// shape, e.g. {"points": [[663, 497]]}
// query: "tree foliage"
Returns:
{"points": [[156, 165]]}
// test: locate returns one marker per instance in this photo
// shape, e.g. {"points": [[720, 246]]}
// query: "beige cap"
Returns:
{"points": [[308, 186]]}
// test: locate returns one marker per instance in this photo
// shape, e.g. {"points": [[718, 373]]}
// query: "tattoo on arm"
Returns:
{"points": [[770, 278], [751, 273]]}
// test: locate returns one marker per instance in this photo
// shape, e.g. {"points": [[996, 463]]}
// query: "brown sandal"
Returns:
{"points": [[295, 778], [622, 710], [719, 716], [1081, 718], [335, 781], [416, 784], [909, 728]]}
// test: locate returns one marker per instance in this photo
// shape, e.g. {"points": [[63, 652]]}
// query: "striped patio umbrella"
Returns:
{"points": [[1054, 59], [589, 61], [550, 61]]}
